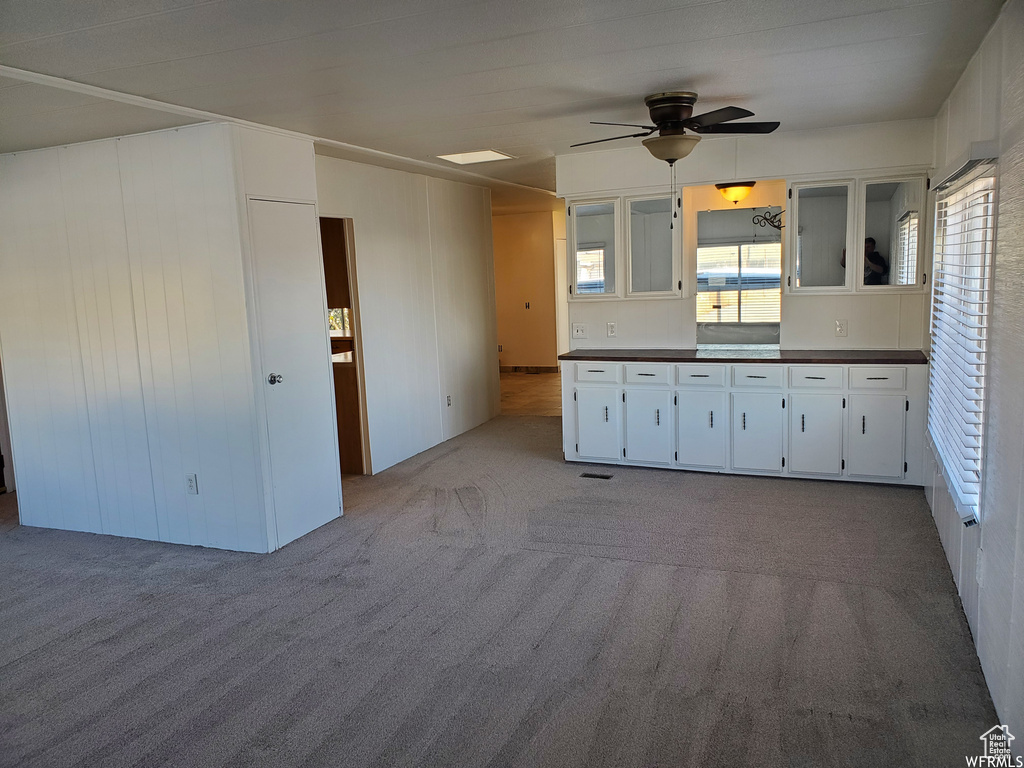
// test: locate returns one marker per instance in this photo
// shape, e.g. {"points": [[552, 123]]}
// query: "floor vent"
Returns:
{"points": [[595, 476]]}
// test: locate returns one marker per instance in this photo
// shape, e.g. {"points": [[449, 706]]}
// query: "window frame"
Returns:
{"points": [[791, 235], [675, 205], [920, 181], [571, 248]]}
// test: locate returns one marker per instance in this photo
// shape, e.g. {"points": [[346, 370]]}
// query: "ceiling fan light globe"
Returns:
{"points": [[673, 147]]}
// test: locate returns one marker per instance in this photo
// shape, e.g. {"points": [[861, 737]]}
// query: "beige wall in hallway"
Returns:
{"points": [[524, 253]]}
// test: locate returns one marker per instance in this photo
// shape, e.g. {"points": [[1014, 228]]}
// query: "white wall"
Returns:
{"points": [[988, 105], [876, 320], [425, 280], [125, 332], [5, 436]]}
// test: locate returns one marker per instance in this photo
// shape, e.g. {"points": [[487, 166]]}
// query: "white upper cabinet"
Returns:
{"points": [[891, 223], [595, 234], [822, 212], [652, 238]]}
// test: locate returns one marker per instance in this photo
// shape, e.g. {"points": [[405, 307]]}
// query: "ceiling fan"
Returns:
{"points": [[672, 115]]}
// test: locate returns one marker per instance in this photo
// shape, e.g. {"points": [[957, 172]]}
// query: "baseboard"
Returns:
{"points": [[528, 368]]}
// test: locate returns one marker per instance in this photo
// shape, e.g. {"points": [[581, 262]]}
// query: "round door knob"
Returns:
{"points": [[275, 378]]}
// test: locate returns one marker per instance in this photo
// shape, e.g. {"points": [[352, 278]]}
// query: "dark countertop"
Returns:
{"points": [[748, 355]]}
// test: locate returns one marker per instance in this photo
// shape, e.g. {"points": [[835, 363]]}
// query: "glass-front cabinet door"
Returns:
{"points": [[820, 235], [652, 246], [594, 244], [890, 227]]}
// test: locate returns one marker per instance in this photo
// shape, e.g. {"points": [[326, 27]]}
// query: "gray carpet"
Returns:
{"points": [[483, 605]]}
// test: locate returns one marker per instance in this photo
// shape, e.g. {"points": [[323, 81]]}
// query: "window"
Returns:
{"points": [[961, 290], [906, 250], [595, 233], [739, 283], [590, 269]]}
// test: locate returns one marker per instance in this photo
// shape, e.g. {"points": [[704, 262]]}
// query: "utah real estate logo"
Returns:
{"points": [[996, 750]]}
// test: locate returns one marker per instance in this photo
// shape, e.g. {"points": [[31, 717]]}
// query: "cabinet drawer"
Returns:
{"points": [[878, 378], [815, 377], [609, 372], [700, 375], [646, 373], [757, 376]]}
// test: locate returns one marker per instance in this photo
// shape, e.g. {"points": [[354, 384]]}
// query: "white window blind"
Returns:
{"points": [[906, 250], [961, 291]]}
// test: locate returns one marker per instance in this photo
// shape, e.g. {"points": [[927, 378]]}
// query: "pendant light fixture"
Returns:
{"points": [[734, 191]]}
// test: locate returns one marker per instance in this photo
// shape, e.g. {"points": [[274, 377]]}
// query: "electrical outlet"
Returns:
{"points": [[191, 485], [579, 330], [611, 330], [842, 328]]}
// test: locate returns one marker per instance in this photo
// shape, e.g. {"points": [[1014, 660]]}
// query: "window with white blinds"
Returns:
{"points": [[961, 292], [906, 249]]}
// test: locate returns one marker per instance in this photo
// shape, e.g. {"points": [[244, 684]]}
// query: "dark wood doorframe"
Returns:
{"points": [[338, 237]]}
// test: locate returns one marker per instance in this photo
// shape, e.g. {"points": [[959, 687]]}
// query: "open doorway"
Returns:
{"points": [[338, 242]]}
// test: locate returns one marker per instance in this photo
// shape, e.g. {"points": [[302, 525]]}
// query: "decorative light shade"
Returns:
{"points": [[735, 191], [672, 147]]}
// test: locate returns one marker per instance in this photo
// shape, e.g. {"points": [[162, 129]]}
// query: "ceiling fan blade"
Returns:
{"points": [[718, 116], [615, 138], [738, 128], [627, 125]]}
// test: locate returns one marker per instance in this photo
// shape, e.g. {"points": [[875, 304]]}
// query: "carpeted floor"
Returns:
{"points": [[483, 605]]}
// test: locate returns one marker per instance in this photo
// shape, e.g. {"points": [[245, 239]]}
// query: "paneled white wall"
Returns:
{"points": [[988, 561], [5, 436], [425, 281], [124, 330], [182, 226], [808, 322]]}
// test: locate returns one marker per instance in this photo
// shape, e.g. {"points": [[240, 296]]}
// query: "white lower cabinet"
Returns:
{"points": [[877, 428], [816, 434], [649, 425], [599, 423], [701, 425], [757, 427]]}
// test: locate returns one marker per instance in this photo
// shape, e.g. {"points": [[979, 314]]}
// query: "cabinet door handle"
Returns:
{"points": [[595, 370], [606, 413], [645, 374], [750, 376], [816, 378], [657, 417], [700, 375], [744, 420], [802, 423], [863, 424], [878, 378], [711, 420]]}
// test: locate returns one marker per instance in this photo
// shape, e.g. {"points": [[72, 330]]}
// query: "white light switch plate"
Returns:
{"points": [[579, 330]]}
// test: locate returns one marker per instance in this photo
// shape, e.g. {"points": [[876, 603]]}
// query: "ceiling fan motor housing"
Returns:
{"points": [[671, 109]]}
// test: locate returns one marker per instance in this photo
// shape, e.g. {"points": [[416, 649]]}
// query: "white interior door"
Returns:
{"points": [[295, 353]]}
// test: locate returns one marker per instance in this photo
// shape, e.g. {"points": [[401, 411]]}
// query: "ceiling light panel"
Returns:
{"points": [[482, 156]]}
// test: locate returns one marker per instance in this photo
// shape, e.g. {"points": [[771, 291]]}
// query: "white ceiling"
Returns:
{"points": [[419, 78]]}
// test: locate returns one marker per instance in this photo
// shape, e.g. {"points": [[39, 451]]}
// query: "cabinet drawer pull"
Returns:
{"points": [[595, 370], [744, 420], [878, 378], [700, 375], [752, 376], [606, 413], [657, 417], [816, 378], [802, 423], [863, 424], [645, 374]]}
